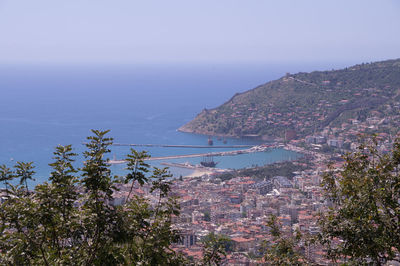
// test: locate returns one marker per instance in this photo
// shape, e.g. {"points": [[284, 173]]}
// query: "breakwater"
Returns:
{"points": [[185, 146], [260, 148]]}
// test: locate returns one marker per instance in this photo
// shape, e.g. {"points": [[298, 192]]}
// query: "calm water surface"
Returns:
{"points": [[42, 107]]}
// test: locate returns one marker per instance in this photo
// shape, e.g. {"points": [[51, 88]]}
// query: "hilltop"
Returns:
{"points": [[303, 103]]}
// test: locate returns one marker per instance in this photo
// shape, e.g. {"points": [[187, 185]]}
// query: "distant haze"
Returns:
{"points": [[206, 31]]}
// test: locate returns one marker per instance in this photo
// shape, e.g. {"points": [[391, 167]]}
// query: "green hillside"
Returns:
{"points": [[305, 102]]}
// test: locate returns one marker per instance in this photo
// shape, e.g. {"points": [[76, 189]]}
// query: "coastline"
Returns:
{"points": [[184, 129], [192, 168], [200, 172]]}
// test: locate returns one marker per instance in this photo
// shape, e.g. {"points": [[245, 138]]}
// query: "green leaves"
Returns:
{"points": [[137, 167], [71, 221], [366, 208], [96, 177], [5, 175], [283, 250], [160, 181], [24, 171], [62, 166], [215, 248]]}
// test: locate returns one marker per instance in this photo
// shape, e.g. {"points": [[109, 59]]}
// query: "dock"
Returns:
{"points": [[182, 165], [185, 146], [182, 156], [224, 153]]}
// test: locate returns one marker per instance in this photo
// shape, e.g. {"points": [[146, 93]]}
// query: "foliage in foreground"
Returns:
{"points": [[215, 249], [284, 250], [363, 224], [72, 221]]}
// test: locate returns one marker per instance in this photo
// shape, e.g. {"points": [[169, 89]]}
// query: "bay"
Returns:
{"points": [[44, 106]]}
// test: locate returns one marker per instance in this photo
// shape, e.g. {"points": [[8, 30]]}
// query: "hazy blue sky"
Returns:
{"points": [[189, 31]]}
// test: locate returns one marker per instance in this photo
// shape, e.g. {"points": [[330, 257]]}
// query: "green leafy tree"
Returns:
{"points": [[151, 226], [215, 248], [207, 216], [283, 250], [6, 175], [57, 216], [19, 244], [363, 223], [24, 171], [97, 214], [137, 167], [71, 220]]}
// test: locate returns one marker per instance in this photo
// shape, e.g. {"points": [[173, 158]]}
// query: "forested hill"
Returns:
{"points": [[304, 102]]}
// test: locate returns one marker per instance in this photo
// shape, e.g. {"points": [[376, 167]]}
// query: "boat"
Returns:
{"points": [[208, 161], [210, 141]]}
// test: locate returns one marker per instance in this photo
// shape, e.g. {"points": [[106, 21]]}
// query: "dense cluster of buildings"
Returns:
{"points": [[348, 135], [240, 208]]}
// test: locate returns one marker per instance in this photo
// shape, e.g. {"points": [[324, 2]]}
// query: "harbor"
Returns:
{"points": [[192, 164], [253, 149], [186, 146]]}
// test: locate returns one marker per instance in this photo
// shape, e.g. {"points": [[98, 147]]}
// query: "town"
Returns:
{"points": [[239, 208]]}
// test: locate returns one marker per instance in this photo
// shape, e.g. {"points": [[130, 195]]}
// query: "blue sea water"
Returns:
{"points": [[42, 106]]}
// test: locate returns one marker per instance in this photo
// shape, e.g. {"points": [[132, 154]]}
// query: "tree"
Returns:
{"points": [[136, 164], [72, 220], [24, 171], [215, 248], [283, 250], [363, 223], [5, 175], [151, 226], [207, 216]]}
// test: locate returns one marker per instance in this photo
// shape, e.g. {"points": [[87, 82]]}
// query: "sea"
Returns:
{"points": [[44, 106]]}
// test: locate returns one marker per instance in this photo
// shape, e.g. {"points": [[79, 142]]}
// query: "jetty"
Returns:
{"points": [[182, 165], [185, 146], [184, 156], [223, 153]]}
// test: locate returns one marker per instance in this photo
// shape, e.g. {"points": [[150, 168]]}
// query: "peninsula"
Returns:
{"points": [[301, 104]]}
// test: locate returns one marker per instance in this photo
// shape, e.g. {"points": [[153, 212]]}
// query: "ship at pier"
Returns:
{"points": [[208, 161]]}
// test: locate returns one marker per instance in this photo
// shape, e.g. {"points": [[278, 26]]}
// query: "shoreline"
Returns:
{"points": [[198, 170], [213, 134], [189, 131]]}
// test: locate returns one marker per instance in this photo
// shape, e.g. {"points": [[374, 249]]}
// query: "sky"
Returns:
{"points": [[189, 31]]}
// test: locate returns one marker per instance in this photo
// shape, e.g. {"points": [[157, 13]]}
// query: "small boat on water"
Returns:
{"points": [[210, 141]]}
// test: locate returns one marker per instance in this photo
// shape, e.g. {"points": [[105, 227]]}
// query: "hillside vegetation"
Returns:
{"points": [[305, 102]]}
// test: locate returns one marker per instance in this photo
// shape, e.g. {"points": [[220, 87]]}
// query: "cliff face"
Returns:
{"points": [[304, 102]]}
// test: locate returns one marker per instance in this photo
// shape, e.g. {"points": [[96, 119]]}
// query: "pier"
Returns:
{"points": [[184, 156], [224, 153], [184, 146]]}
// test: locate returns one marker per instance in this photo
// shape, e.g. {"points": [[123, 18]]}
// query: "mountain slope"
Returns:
{"points": [[304, 102]]}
